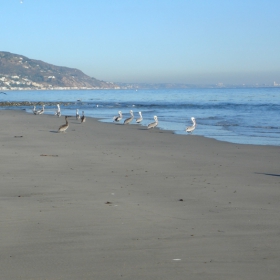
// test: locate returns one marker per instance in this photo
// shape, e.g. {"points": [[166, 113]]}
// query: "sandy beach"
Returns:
{"points": [[112, 201]]}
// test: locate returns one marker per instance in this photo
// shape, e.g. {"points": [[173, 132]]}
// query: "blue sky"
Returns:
{"points": [[177, 41]]}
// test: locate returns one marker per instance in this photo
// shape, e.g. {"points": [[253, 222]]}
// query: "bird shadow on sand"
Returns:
{"points": [[143, 128], [268, 174]]}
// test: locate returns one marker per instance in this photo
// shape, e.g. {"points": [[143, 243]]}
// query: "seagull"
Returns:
{"points": [[153, 124], [130, 119], [140, 118], [83, 118], [58, 112], [118, 118], [40, 112], [63, 127], [77, 114], [34, 110], [190, 129]]}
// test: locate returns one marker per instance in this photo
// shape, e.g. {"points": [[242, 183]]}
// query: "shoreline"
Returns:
{"points": [[27, 103], [113, 201]]}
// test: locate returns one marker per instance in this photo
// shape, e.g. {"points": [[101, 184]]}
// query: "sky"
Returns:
{"points": [[149, 41]]}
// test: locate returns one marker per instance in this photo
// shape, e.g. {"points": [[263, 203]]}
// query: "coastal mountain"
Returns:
{"points": [[18, 72]]}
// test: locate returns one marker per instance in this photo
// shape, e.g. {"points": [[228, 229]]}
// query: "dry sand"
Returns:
{"points": [[111, 201]]}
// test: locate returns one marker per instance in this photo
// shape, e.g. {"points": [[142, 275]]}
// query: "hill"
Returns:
{"points": [[18, 72]]}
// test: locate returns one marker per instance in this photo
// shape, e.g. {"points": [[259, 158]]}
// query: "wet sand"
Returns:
{"points": [[113, 201]]}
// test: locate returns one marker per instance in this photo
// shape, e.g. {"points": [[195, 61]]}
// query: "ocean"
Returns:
{"points": [[236, 115]]}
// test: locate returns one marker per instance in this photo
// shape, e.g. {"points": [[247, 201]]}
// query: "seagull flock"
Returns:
{"points": [[57, 113], [117, 119], [154, 124]]}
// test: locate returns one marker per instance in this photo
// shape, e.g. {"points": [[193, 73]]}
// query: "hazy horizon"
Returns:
{"points": [[179, 41]]}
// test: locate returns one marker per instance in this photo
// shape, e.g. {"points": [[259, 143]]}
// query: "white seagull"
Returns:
{"points": [[153, 124], [40, 112], [190, 129], [118, 118], [34, 110], [130, 119], [77, 114], [58, 112], [140, 118]]}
